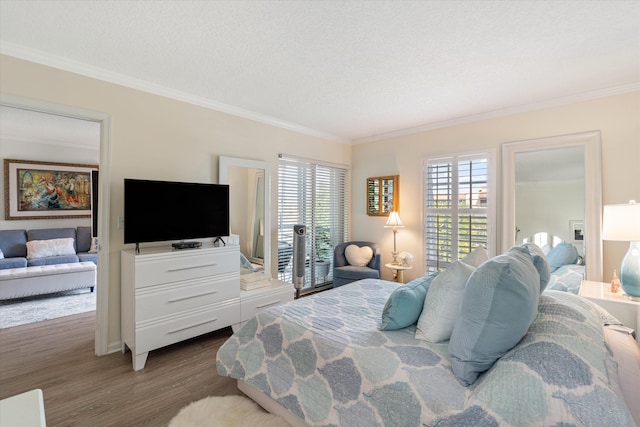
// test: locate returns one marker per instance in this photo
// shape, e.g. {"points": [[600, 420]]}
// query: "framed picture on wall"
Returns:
{"points": [[47, 190], [576, 230]]}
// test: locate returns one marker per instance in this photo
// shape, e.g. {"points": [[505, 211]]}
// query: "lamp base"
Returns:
{"points": [[630, 271]]}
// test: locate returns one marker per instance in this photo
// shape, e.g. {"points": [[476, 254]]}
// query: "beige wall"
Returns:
{"points": [[159, 138], [616, 117]]}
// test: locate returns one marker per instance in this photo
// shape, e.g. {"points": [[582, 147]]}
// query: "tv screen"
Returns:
{"points": [[156, 211]]}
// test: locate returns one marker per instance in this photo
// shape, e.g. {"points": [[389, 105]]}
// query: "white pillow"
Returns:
{"points": [[50, 247], [476, 257], [94, 246], [442, 303], [358, 256]]}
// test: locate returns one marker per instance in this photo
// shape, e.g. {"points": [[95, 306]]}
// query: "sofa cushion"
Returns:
{"points": [[53, 233], [83, 239], [15, 262], [12, 243], [52, 260], [356, 273], [88, 257]]}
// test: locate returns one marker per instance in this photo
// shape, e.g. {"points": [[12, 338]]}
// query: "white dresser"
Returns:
{"points": [[173, 295], [251, 302]]}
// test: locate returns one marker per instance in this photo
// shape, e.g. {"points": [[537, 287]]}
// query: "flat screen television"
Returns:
{"points": [[158, 211]]}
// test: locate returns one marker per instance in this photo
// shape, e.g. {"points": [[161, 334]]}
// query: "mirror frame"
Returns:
{"points": [[223, 178], [591, 143]]}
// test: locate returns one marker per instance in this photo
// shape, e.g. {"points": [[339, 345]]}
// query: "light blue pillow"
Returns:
{"points": [[562, 254], [404, 305], [540, 262], [499, 304]]}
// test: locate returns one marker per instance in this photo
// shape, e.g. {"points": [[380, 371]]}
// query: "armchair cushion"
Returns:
{"points": [[358, 256]]}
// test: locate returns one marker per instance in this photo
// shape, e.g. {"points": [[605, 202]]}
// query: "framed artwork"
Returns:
{"points": [[576, 228], [383, 195], [46, 190]]}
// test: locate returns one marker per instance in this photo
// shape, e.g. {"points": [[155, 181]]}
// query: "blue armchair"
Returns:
{"points": [[344, 273]]}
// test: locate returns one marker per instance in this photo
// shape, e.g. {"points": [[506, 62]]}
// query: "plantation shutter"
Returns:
{"points": [[316, 195], [458, 201]]}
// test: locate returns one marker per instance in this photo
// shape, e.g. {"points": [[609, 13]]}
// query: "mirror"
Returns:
{"points": [[383, 195], [249, 202], [553, 185]]}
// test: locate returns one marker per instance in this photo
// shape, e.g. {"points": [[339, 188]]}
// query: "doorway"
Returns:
{"points": [[103, 120]]}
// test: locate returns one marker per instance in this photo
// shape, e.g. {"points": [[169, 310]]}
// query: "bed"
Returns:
{"points": [[323, 361]]}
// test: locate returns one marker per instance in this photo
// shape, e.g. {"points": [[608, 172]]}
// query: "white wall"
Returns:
{"points": [[153, 137], [549, 207], [617, 117]]}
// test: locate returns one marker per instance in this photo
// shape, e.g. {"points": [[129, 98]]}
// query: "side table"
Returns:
{"points": [[25, 409], [619, 304], [398, 271]]}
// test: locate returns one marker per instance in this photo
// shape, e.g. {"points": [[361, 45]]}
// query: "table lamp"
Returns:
{"points": [[394, 222], [622, 223]]}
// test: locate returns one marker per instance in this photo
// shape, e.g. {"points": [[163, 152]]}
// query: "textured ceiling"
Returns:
{"points": [[346, 70]]}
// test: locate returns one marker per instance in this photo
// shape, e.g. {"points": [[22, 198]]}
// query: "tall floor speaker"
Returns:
{"points": [[299, 255]]}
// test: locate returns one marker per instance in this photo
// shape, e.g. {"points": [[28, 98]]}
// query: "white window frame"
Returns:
{"points": [[492, 196]]}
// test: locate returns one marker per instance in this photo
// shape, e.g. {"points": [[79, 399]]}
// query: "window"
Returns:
{"points": [[315, 195], [459, 202]]}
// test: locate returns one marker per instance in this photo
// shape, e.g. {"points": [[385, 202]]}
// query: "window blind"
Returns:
{"points": [[457, 201], [315, 195]]}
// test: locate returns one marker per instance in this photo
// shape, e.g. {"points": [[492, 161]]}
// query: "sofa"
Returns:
{"points": [[41, 261]]}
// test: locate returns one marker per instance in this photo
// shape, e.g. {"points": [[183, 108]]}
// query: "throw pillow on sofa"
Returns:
{"points": [[50, 247]]}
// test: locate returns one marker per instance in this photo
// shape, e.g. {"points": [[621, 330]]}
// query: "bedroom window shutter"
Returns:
{"points": [[316, 195], [458, 200]]}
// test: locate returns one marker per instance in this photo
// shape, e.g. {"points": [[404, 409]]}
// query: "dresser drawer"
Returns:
{"points": [[159, 269], [172, 329], [162, 300], [250, 306]]}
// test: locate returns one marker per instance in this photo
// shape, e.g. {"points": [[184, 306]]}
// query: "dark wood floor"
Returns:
{"points": [[81, 389]]}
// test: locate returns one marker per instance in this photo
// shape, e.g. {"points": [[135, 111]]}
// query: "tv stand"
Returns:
{"points": [[187, 245]]}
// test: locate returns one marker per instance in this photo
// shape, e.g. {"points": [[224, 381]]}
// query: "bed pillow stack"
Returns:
{"points": [[562, 254], [404, 306], [499, 304], [442, 303]]}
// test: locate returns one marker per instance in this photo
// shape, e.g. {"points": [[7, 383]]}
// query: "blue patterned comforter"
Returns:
{"points": [[567, 278], [323, 358]]}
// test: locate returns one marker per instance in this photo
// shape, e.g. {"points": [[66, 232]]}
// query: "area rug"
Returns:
{"points": [[20, 311], [226, 411]]}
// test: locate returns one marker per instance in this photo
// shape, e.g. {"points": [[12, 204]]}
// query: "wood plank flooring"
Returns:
{"points": [[81, 389]]}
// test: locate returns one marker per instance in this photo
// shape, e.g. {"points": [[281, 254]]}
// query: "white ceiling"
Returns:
{"points": [[344, 70]]}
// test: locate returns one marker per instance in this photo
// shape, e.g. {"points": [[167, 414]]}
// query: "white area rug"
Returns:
{"points": [[20, 311], [226, 411]]}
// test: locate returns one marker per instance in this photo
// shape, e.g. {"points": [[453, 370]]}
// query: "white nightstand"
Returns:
{"points": [[398, 271], [618, 304], [26, 409]]}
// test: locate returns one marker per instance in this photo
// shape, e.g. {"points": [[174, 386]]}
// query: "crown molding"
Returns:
{"points": [[586, 96], [32, 55], [54, 61]]}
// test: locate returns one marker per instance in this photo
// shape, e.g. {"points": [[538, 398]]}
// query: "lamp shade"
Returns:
{"points": [[621, 222], [394, 221]]}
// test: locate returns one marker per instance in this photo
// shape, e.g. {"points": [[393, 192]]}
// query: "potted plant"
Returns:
{"points": [[324, 252]]}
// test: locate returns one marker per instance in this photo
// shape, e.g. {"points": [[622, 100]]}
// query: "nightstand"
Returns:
{"points": [[398, 271], [618, 304]]}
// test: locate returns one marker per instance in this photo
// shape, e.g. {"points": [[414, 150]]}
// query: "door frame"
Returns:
{"points": [[102, 285]]}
